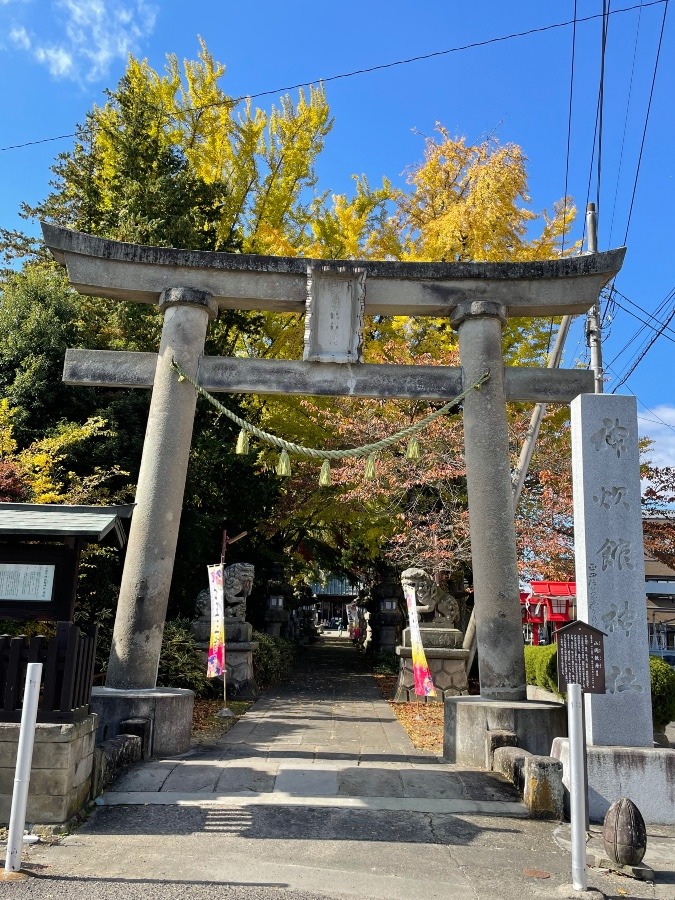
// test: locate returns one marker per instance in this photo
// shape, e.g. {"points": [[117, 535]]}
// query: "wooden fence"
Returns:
{"points": [[67, 673]]}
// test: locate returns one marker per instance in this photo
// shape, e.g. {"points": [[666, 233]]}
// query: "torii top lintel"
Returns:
{"points": [[114, 269]]}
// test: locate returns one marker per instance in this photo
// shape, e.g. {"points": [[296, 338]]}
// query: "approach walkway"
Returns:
{"points": [[316, 794], [326, 738]]}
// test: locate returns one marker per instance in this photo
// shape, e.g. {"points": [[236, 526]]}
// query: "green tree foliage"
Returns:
{"points": [[171, 159], [166, 161]]}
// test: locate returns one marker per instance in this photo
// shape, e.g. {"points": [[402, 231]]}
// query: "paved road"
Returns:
{"points": [[316, 793]]}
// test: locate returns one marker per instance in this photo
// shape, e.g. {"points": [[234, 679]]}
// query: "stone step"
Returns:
{"points": [[506, 808]]}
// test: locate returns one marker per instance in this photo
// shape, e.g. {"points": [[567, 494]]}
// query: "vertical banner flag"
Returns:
{"points": [[216, 662], [424, 683]]}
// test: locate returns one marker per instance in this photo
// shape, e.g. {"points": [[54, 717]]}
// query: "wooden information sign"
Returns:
{"points": [[581, 657]]}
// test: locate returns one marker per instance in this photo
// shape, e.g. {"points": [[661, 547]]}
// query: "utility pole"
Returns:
{"points": [[553, 362], [593, 330]]}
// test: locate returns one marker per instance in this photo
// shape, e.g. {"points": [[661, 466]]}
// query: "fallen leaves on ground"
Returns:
{"points": [[423, 722], [206, 726]]}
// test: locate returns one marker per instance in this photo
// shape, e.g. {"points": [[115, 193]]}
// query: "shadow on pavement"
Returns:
{"points": [[293, 823]]}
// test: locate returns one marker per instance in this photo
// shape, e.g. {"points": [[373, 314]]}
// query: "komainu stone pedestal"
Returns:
{"points": [[238, 656], [168, 709], [60, 781], [446, 659], [468, 720], [646, 775], [239, 660]]}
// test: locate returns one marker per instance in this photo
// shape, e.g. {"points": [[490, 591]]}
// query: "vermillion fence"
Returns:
{"points": [[67, 673]]}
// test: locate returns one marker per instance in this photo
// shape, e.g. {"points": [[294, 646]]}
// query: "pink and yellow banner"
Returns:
{"points": [[424, 683], [216, 662]]}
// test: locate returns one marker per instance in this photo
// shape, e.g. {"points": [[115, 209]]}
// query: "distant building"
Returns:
{"points": [[333, 594], [660, 589]]}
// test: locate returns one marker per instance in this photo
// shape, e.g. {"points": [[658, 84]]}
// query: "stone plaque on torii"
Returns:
{"points": [[191, 286]]}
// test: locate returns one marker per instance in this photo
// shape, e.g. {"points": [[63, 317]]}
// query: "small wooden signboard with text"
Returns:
{"points": [[581, 657]]}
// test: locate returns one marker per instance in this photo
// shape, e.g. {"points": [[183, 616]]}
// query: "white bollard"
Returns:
{"points": [[577, 786], [24, 756]]}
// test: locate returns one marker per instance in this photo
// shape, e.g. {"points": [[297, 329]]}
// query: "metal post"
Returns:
{"points": [[577, 786], [553, 362], [24, 757], [593, 330]]}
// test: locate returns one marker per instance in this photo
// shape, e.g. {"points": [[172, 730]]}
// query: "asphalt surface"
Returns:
{"points": [[317, 794]]}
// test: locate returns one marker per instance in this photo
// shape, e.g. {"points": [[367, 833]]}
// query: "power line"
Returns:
{"points": [[601, 96], [654, 421], [367, 70], [659, 309], [625, 125], [642, 310], [643, 352], [658, 420], [662, 330], [644, 131], [569, 126]]}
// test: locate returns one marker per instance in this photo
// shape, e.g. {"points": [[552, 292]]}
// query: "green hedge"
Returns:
{"points": [[273, 659], [541, 669], [385, 662], [663, 692], [181, 663]]}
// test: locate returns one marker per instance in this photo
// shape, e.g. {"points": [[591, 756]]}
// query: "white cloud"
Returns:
{"points": [[659, 425], [19, 37], [57, 59], [85, 36]]}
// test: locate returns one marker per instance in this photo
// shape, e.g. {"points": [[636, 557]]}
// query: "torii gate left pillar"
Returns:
{"points": [[477, 297], [148, 567]]}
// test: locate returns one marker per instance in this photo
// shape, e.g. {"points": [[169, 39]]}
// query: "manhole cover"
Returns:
{"points": [[536, 873]]}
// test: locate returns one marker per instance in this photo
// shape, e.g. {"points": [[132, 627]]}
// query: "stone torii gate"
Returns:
{"points": [[191, 286]]}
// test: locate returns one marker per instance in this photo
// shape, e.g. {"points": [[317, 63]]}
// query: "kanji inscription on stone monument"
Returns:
{"points": [[581, 658], [609, 565]]}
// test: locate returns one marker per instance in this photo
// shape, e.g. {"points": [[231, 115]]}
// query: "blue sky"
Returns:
{"points": [[57, 56]]}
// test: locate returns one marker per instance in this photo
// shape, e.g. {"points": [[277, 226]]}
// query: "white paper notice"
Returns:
{"points": [[25, 581]]}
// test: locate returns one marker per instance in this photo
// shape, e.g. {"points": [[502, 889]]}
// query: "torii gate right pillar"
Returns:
{"points": [[503, 703], [493, 537]]}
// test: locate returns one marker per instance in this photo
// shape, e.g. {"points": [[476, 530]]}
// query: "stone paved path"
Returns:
{"points": [[316, 794], [325, 739]]}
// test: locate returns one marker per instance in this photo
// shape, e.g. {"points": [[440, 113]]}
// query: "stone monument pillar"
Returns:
{"points": [[610, 573], [609, 552]]}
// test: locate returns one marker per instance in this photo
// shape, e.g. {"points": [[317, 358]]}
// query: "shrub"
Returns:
{"points": [[272, 660], [385, 662], [531, 657], [662, 678], [541, 667], [27, 628], [181, 663], [546, 668]]}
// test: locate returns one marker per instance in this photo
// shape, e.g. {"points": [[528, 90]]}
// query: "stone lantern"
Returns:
{"points": [[275, 615]]}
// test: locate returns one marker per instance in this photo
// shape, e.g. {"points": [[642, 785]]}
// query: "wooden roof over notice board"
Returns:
{"points": [[89, 523]]}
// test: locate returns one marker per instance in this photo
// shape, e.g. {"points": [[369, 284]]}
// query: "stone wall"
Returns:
{"points": [[60, 782]]}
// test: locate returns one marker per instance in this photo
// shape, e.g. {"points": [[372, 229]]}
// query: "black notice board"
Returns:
{"points": [[37, 582], [581, 657]]}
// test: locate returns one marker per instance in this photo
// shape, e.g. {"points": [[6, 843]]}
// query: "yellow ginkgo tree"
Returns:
{"points": [[42, 467]]}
